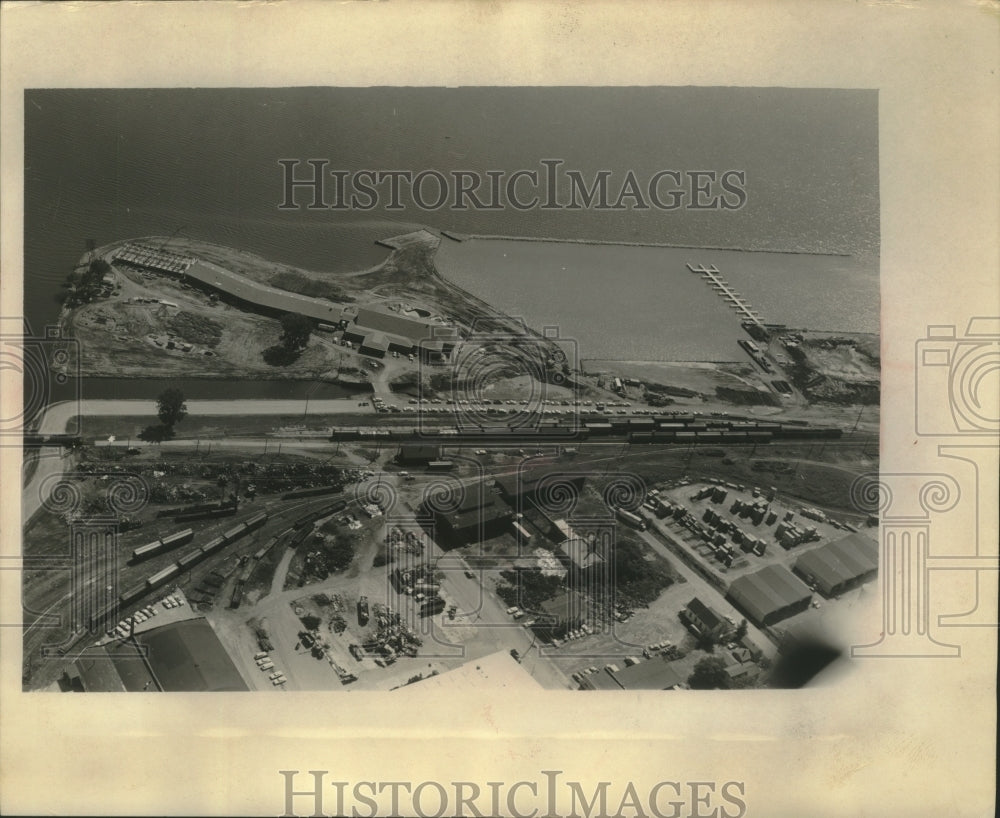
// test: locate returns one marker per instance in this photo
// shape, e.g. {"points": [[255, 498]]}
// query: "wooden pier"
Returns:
{"points": [[739, 304]]}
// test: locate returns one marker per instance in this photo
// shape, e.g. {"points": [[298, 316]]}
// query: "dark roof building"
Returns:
{"points": [[479, 516], [839, 566], [375, 343], [187, 656], [702, 619], [184, 656], [654, 674], [418, 454], [769, 595]]}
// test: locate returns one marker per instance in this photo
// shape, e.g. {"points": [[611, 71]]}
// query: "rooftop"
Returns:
{"points": [[706, 615], [841, 561], [767, 591], [262, 295], [654, 674], [412, 329], [497, 670], [188, 656]]}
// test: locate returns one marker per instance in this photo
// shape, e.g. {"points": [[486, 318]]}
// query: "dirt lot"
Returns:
{"points": [[130, 337]]}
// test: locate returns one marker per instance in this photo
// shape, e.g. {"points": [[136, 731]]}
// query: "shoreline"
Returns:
{"points": [[461, 237], [462, 304]]}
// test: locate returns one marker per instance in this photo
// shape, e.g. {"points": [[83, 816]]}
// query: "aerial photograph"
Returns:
{"points": [[341, 389]]}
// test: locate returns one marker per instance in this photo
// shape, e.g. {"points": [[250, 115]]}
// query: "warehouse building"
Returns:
{"points": [[371, 327], [182, 657], [418, 454], [375, 344], [839, 566], [478, 516], [769, 595]]}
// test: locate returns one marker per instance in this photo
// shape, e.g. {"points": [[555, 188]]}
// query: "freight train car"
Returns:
{"points": [[163, 577], [234, 533], [132, 594], [256, 521], [312, 492], [206, 515], [214, 545], [172, 541], [190, 559], [197, 508]]}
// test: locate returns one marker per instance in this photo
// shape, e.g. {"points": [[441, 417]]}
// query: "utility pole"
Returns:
{"points": [[858, 419]]}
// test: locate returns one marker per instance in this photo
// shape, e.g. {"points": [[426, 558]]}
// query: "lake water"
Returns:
{"points": [[642, 303], [117, 163]]}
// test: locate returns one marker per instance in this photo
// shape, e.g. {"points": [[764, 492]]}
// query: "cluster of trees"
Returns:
{"points": [[636, 578], [528, 588], [334, 555], [85, 287], [171, 408], [295, 333]]}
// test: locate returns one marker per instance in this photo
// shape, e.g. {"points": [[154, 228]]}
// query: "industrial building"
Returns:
{"points": [[839, 566], [184, 656], [769, 595], [478, 516], [583, 552], [374, 329], [253, 295], [375, 344], [418, 454]]}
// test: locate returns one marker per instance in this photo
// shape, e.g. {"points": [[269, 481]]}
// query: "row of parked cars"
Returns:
{"points": [[263, 660], [578, 633], [124, 628]]}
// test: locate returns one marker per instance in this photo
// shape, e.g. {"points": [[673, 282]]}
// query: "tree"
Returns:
{"points": [[170, 407], [741, 630], [709, 674], [296, 330]]}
